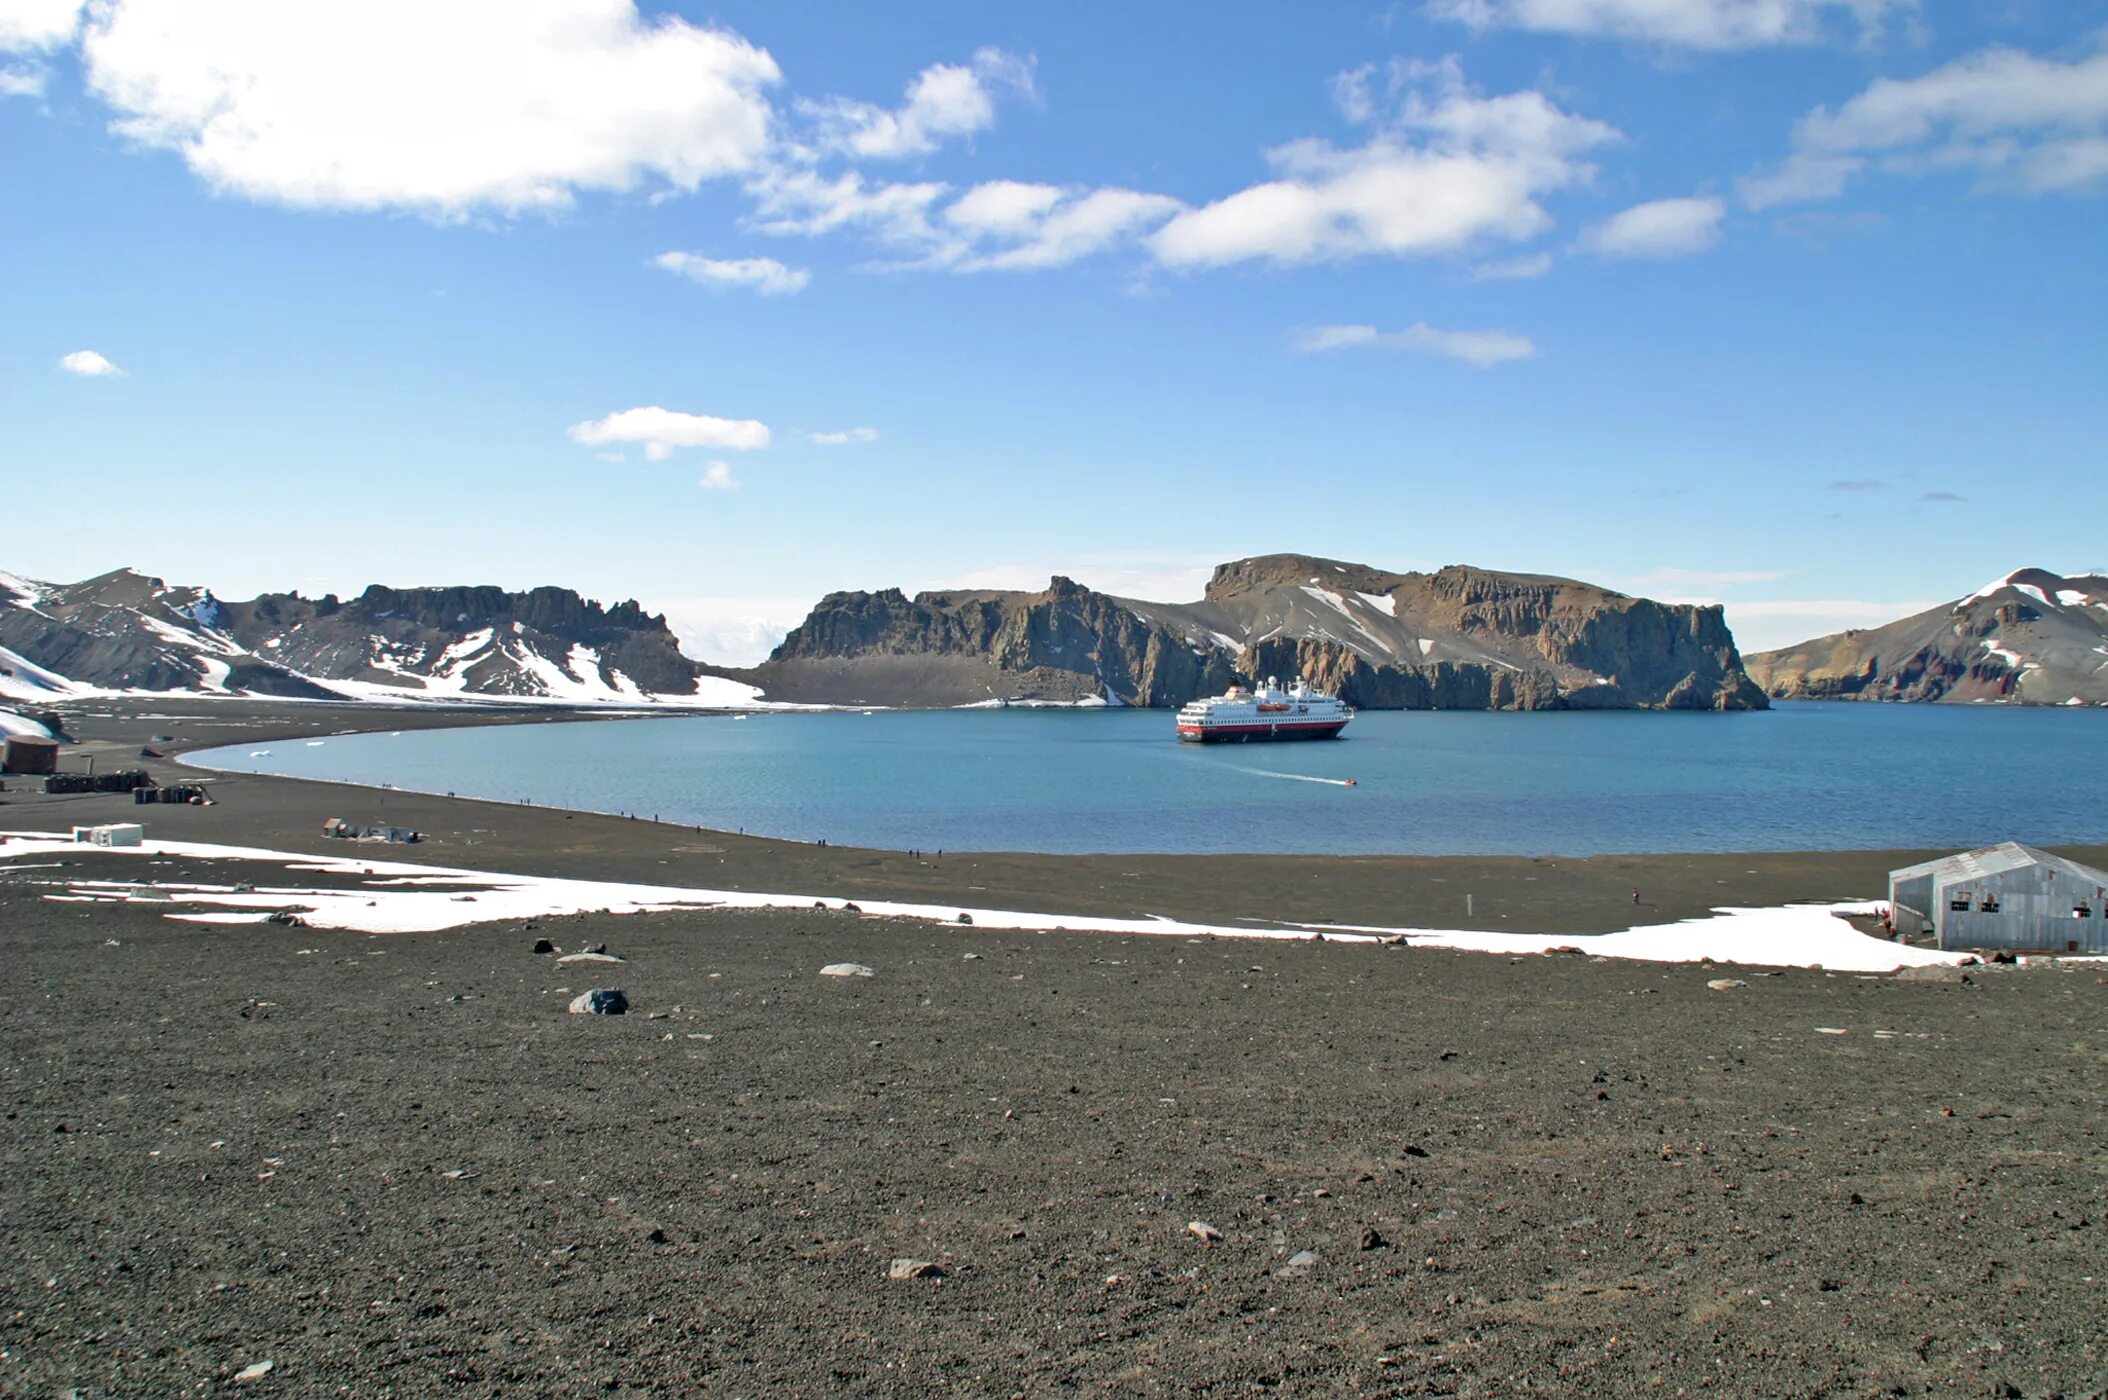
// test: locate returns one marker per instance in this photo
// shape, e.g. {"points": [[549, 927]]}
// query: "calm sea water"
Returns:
{"points": [[1801, 777]]}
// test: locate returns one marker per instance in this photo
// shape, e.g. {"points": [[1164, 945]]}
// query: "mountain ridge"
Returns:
{"points": [[1457, 638], [2033, 637]]}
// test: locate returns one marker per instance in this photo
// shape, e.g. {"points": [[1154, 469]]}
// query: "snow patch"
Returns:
{"points": [[1799, 935], [1382, 602]]}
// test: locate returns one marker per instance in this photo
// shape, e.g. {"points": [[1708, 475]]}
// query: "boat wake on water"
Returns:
{"points": [[1293, 777]]}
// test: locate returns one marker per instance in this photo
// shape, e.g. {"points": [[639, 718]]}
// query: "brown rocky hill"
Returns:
{"points": [[2032, 638], [1459, 638]]}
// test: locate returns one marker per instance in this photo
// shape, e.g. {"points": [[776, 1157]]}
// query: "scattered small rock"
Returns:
{"points": [[594, 948], [256, 1371], [1372, 1238], [589, 958], [903, 1270], [543, 945], [286, 918], [600, 1001], [964, 917], [846, 970], [1725, 984], [1935, 972], [1203, 1231], [1303, 1259], [1414, 1149], [848, 908]]}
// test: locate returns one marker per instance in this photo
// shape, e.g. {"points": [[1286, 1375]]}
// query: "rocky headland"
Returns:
{"points": [[2032, 637]]}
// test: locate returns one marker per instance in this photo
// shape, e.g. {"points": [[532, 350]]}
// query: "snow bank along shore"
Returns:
{"points": [[391, 897]]}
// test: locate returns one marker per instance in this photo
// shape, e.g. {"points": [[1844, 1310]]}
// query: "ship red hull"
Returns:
{"points": [[1259, 733]]}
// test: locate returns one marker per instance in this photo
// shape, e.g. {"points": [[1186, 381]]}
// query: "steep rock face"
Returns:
{"points": [[1460, 638], [2031, 638], [1065, 644], [127, 631]]}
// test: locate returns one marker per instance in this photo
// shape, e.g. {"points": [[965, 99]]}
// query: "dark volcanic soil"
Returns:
{"points": [[396, 1167]]}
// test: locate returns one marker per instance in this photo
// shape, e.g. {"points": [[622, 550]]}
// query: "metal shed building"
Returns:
{"points": [[2005, 896]]}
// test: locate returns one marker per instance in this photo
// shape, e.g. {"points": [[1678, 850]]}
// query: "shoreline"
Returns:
{"points": [[1523, 894]]}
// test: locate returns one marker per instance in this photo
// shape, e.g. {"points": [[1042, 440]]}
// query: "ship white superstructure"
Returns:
{"points": [[1263, 714]]}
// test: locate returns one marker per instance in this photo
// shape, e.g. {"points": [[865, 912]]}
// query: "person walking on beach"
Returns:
{"points": [[1635, 897]]}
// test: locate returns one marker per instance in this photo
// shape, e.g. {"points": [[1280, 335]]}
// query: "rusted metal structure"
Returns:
{"points": [[2009, 897], [30, 755]]}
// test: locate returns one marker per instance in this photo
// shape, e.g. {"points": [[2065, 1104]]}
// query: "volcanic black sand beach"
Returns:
{"points": [[394, 1165]]}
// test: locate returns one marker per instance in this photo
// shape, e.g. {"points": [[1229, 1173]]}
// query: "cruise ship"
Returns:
{"points": [[1262, 715]]}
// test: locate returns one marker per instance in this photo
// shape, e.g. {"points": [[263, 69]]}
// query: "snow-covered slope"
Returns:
{"points": [[2032, 638], [126, 632]]}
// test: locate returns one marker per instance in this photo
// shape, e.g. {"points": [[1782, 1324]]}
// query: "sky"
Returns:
{"points": [[1793, 305]]}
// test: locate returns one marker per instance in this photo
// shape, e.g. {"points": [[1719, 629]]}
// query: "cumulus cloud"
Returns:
{"points": [[717, 476], [764, 275], [1663, 228], [446, 110], [2032, 124], [1446, 168], [87, 362], [1484, 349], [1692, 24], [846, 437], [661, 430], [29, 25], [945, 100]]}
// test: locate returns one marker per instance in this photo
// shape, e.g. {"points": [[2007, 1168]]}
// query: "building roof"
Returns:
{"points": [[1996, 860], [30, 741]]}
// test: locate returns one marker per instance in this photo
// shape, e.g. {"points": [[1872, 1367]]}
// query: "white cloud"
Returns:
{"points": [[87, 362], [2028, 123], [732, 631], [805, 203], [717, 476], [1513, 269], [1484, 349], [1664, 228], [999, 225], [662, 430], [945, 100], [1446, 169], [1804, 176], [29, 25], [846, 437], [23, 80], [1048, 227], [1781, 622], [1693, 24], [472, 105], [764, 275]]}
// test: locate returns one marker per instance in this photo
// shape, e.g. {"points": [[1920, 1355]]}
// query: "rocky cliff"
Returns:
{"points": [[1460, 638], [128, 631], [2031, 638]]}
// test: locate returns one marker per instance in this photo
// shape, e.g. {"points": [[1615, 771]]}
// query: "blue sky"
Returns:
{"points": [[1792, 304]]}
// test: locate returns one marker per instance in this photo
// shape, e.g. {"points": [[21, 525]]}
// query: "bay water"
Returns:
{"points": [[1806, 776]]}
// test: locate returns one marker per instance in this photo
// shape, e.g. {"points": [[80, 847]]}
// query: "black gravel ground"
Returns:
{"points": [[394, 1166]]}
